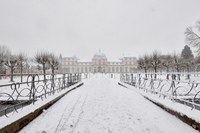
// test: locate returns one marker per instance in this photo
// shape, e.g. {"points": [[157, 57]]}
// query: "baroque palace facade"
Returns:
{"points": [[99, 64]]}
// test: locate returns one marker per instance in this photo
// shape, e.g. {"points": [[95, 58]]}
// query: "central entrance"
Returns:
{"points": [[99, 63], [100, 69]]}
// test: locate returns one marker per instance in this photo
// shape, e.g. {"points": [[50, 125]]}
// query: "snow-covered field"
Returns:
{"points": [[102, 106]]}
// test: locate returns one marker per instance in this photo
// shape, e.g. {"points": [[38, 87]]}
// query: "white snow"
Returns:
{"points": [[175, 106], [13, 116], [102, 106]]}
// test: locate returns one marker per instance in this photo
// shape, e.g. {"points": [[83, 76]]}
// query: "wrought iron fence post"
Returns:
{"points": [[53, 83], [74, 78], [173, 88], [139, 81], [131, 79], [167, 76], [64, 82], [59, 84], [152, 85], [126, 78], [32, 92], [68, 80]]}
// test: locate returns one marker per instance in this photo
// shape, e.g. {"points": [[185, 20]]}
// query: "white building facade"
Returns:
{"points": [[98, 64]]}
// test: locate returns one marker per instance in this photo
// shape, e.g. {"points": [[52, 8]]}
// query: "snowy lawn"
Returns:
{"points": [[102, 106]]}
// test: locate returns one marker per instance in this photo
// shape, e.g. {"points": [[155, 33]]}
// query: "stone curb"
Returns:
{"points": [[22, 122]]}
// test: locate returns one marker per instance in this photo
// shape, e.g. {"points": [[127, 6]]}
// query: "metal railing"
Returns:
{"points": [[181, 89], [17, 95]]}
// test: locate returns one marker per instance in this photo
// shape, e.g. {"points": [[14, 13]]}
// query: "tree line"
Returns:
{"points": [[156, 62], [184, 62], [17, 62]]}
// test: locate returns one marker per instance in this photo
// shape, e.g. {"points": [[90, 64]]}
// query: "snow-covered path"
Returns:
{"points": [[102, 106]]}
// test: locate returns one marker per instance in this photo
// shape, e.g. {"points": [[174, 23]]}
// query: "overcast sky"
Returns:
{"points": [[82, 27]]}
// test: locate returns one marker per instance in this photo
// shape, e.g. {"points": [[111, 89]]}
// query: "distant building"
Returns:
{"points": [[99, 64]]}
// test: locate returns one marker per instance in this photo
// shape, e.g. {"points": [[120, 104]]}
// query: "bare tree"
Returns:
{"points": [[197, 63], [11, 62], [166, 61], [143, 63], [193, 38], [177, 63], [42, 58], [198, 25], [155, 61], [188, 64], [53, 62], [22, 60], [4, 53]]}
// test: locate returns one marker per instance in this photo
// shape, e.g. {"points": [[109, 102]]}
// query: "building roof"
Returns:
{"points": [[74, 58], [99, 55]]}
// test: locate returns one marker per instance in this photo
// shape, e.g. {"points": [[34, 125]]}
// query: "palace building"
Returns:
{"points": [[98, 64]]}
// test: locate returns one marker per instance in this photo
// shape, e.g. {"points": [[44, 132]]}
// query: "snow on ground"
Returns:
{"points": [[102, 106], [13, 116], [171, 104]]}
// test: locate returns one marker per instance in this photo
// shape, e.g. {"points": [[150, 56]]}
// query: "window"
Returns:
{"points": [[117, 69], [113, 69]]}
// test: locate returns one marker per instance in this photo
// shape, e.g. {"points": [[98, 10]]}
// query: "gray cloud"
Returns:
{"points": [[82, 27]]}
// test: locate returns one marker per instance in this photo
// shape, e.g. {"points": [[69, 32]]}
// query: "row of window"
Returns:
{"points": [[98, 69], [98, 63]]}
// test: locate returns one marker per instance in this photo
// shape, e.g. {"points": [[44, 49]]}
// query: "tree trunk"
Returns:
{"points": [[21, 69], [188, 70], [52, 70], [155, 69], [11, 73], [167, 69], [145, 70], [44, 72], [167, 72], [177, 69]]}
